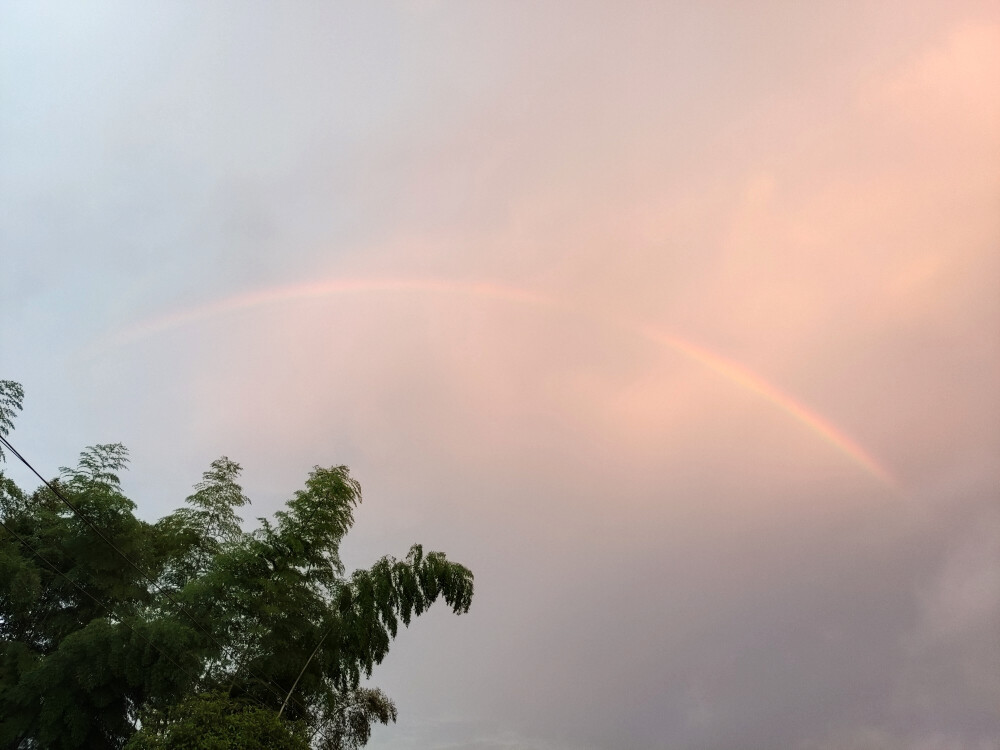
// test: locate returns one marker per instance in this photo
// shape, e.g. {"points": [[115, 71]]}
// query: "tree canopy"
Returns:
{"points": [[191, 632]]}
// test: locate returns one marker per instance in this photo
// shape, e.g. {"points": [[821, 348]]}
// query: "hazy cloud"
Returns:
{"points": [[664, 558]]}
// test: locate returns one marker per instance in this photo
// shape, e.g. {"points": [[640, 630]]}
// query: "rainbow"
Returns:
{"points": [[750, 381], [319, 289], [730, 370]]}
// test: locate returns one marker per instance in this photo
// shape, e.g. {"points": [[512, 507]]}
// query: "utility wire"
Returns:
{"points": [[275, 690], [110, 611], [99, 603]]}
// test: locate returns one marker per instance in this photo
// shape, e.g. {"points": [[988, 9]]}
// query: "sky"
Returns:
{"points": [[677, 323]]}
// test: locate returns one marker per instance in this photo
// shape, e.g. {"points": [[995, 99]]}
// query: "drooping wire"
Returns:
{"points": [[111, 612], [275, 689], [101, 604]]}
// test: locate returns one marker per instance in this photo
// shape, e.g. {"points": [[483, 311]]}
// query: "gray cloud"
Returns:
{"points": [[664, 559]]}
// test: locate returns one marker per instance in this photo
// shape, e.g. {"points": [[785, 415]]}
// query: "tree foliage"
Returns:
{"points": [[11, 401], [214, 721], [113, 625]]}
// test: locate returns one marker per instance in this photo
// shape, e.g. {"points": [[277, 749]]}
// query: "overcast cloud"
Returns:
{"points": [[678, 323]]}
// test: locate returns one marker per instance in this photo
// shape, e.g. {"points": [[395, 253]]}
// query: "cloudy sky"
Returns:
{"points": [[678, 323]]}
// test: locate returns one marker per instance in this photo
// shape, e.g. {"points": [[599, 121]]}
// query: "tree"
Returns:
{"points": [[109, 623], [214, 721]]}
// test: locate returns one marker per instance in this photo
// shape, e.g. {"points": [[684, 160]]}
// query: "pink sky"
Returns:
{"points": [[678, 324]]}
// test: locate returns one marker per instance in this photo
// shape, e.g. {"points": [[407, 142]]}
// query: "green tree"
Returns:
{"points": [[109, 623], [214, 721]]}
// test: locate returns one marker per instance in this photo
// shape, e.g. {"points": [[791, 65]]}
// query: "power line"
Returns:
{"points": [[275, 690], [113, 614], [99, 603]]}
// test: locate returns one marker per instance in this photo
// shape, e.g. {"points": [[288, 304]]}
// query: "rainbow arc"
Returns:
{"points": [[734, 372]]}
